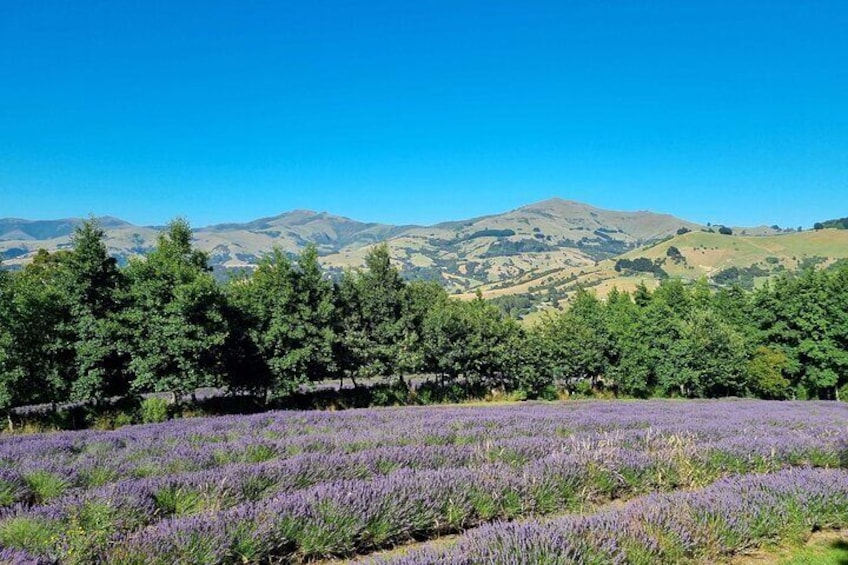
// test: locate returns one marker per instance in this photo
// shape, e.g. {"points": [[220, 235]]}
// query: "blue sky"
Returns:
{"points": [[415, 112]]}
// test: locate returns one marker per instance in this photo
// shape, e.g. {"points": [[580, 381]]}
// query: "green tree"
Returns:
{"points": [[578, 347], [630, 368], [806, 317], [35, 350], [473, 341], [291, 311], [92, 285], [176, 317], [714, 357], [663, 334], [372, 322], [11, 377], [765, 371], [421, 299]]}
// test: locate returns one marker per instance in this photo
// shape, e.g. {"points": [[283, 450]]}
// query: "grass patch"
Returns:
{"points": [[46, 485], [823, 548]]}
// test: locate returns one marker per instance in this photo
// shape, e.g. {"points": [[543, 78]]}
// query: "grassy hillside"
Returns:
{"points": [[551, 235], [722, 259], [546, 249]]}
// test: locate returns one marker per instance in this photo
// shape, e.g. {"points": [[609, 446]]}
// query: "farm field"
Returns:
{"points": [[574, 482]]}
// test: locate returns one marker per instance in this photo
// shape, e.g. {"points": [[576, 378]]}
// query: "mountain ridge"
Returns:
{"points": [[486, 252]]}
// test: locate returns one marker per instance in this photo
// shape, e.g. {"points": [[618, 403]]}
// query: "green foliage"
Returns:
{"points": [[36, 535], [374, 326], [473, 341], [179, 501], [36, 358], [640, 265], [289, 319], [175, 318], [674, 253], [805, 318], [743, 277], [766, 369], [577, 346], [154, 410], [508, 247], [840, 224], [76, 326], [514, 305], [491, 233], [92, 286], [46, 485]]}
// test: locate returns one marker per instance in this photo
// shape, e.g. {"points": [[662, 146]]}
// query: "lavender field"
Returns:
{"points": [[579, 482]]}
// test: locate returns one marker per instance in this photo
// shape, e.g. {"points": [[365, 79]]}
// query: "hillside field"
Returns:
{"points": [[711, 256]]}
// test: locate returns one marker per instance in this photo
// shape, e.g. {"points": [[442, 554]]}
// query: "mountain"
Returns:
{"points": [[463, 253], [553, 234], [553, 245]]}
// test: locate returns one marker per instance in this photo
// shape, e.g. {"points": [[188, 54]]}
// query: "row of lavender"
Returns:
{"points": [[90, 459], [299, 507], [721, 520]]}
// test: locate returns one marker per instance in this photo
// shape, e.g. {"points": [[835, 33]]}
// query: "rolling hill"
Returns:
{"points": [[723, 260], [462, 254], [552, 246]]}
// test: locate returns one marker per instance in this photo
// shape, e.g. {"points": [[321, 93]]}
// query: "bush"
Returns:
{"points": [[549, 392], [154, 410], [392, 394], [123, 419]]}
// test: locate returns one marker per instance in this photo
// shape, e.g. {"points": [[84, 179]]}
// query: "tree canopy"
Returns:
{"points": [[74, 325]]}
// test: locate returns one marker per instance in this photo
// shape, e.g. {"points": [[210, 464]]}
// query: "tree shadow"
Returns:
{"points": [[840, 547]]}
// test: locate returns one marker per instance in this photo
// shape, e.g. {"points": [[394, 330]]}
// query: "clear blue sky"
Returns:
{"points": [[416, 112]]}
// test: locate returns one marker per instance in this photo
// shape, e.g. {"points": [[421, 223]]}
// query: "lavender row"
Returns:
{"points": [[280, 474], [729, 516], [349, 517], [680, 460], [305, 432], [96, 458]]}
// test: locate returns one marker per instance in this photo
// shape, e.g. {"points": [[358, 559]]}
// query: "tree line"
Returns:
{"points": [[74, 325]]}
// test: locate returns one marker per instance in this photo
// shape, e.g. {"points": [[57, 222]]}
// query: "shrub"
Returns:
{"points": [[392, 394], [154, 410], [124, 419]]}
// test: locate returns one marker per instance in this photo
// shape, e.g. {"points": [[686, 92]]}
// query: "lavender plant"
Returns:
{"points": [[291, 486]]}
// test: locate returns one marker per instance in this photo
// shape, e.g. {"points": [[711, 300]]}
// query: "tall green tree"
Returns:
{"points": [[471, 340], [292, 313], [35, 350], [92, 286], [176, 317], [579, 347], [11, 378], [714, 357], [806, 317], [630, 366], [372, 325]]}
